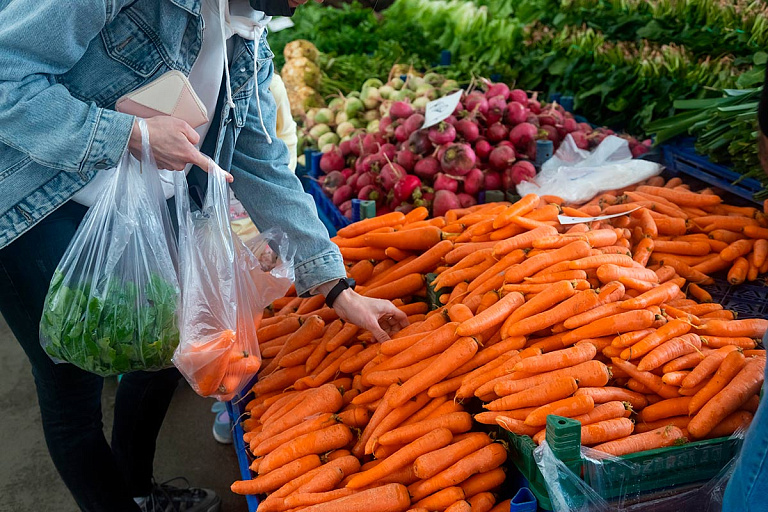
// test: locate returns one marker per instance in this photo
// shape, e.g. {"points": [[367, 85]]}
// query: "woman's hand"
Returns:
{"points": [[379, 316]]}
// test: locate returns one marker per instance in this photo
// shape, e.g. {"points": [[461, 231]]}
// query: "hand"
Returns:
{"points": [[379, 316], [173, 144]]}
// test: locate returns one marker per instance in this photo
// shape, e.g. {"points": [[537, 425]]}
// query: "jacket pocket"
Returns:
{"points": [[127, 41]]}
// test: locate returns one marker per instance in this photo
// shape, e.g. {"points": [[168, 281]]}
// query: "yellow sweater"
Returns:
{"points": [[286, 126]]}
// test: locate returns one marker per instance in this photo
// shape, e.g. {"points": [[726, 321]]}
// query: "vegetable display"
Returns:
{"points": [[589, 321]]}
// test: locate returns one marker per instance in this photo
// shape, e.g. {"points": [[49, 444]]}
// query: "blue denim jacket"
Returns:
{"points": [[62, 67]]}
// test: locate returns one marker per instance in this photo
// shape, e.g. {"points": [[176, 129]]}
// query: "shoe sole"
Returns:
{"points": [[220, 439]]}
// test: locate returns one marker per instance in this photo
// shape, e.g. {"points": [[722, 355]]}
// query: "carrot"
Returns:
{"points": [[395, 418], [680, 422], [576, 304], [480, 502], [553, 295], [730, 366], [459, 313], [612, 325], [574, 250], [385, 498], [323, 399], [277, 478], [494, 315], [356, 363], [427, 345], [608, 394], [418, 239], [457, 422], [667, 408], [669, 350], [482, 483], [606, 411], [558, 359], [279, 380], [271, 443], [367, 225], [429, 464], [591, 262], [666, 332], [592, 315], [407, 285], [488, 300], [590, 373], [483, 460], [724, 341], [321, 441], [542, 394], [732, 423], [659, 438], [606, 430], [568, 407], [521, 207], [751, 328], [662, 293], [394, 376], [707, 366], [648, 379], [630, 338], [283, 327], [675, 378], [610, 272], [745, 384]]}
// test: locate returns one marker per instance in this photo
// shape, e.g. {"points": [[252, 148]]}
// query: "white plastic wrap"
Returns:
{"points": [[577, 175], [111, 306]]}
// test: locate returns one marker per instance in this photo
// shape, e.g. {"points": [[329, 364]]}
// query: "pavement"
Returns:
{"points": [[28, 480]]}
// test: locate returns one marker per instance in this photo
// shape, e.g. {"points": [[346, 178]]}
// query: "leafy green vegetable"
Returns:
{"points": [[120, 330]]}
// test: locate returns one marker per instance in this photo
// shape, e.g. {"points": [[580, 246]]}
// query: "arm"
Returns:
{"points": [[38, 116]]}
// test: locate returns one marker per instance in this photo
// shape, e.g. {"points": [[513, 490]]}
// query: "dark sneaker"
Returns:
{"points": [[170, 498]]}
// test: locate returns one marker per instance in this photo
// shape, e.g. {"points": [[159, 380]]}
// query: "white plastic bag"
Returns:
{"points": [[111, 306], [577, 175]]}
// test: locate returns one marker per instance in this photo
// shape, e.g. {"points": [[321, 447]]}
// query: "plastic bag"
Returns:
{"points": [[577, 175], [111, 305], [224, 290]]}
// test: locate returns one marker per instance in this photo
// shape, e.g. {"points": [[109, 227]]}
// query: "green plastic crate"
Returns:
{"points": [[651, 471], [433, 296]]}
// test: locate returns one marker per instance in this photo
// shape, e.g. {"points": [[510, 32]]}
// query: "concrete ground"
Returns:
{"points": [[28, 480]]}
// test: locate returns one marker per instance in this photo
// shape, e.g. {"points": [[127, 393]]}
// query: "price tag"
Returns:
{"points": [[564, 219], [439, 109]]}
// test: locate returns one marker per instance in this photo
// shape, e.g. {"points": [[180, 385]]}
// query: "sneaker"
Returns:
{"points": [[170, 498], [222, 428]]}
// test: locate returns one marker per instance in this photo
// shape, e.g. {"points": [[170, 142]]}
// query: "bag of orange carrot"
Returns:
{"points": [[218, 351]]}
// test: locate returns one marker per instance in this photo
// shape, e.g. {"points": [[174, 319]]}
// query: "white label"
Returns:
{"points": [[280, 23], [439, 109], [564, 219]]}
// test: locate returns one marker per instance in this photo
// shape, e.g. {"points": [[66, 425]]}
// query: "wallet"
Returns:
{"points": [[169, 95]]}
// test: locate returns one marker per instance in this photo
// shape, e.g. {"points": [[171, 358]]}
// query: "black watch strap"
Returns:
{"points": [[342, 285]]}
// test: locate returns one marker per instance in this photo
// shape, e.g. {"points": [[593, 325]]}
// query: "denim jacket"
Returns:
{"points": [[62, 67]]}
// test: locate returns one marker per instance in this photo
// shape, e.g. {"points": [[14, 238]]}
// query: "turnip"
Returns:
{"points": [[388, 150], [467, 130], [444, 182], [483, 149], [373, 127], [474, 181], [476, 102], [492, 180], [501, 158], [444, 200], [353, 106], [448, 87], [385, 91], [332, 161], [499, 89], [390, 174], [343, 193], [405, 188], [319, 130], [427, 168], [497, 132], [580, 139], [401, 110], [466, 200], [345, 129], [413, 123], [384, 108], [522, 135], [420, 102], [442, 133], [516, 113], [519, 96], [371, 115], [406, 159], [496, 107], [458, 159], [419, 143]]}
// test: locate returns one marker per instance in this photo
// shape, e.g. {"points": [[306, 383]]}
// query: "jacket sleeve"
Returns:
{"points": [[273, 7], [38, 116]]}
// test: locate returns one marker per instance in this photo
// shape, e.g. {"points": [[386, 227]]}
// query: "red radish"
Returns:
{"points": [[580, 139], [466, 200], [533, 119], [443, 182], [499, 89], [551, 116], [444, 200], [521, 171], [332, 161], [413, 123], [342, 194], [401, 110], [401, 133], [346, 147], [570, 125], [385, 125], [549, 132], [407, 159], [516, 113], [519, 96], [346, 209], [389, 150], [450, 119], [458, 159], [496, 107], [473, 181], [427, 168], [522, 135], [476, 102], [586, 128], [501, 157], [534, 105], [419, 143], [365, 179], [347, 173], [638, 151], [483, 149], [370, 193], [390, 174], [405, 208], [467, 130], [371, 143], [506, 143], [356, 143], [405, 188], [493, 180], [332, 181], [497, 132], [442, 133]]}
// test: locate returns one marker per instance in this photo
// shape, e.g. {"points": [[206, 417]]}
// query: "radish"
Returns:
{"points": [[356, 144], [496, 107], [534, 106], [347, 173], [499, 89], [466, 200], [493, 180], [551, 116], [497, 132], [346, 209], [518, 173], [407, 159], [332, 181], [442, 133], [580, 139], [385, 126], [476, 102], [483, 149], [450, 119], [549, 132], [519, 96], [516, 113], [413, 123], [371, 143], [586, 128], [638, 151], [425, 200], [444, 182], [370, 193], [458, 159], [332, 161], [405, 188], [365, 179], [427, 168], [444, 200], [401, 110], [533, 119], [388, 150], [522, 135], [473, 181], [346, 147], [405, 208], [401, 133], [501, 157], [390, 174], [506, 143], [419, 143], [342, 194], [467, 130]]}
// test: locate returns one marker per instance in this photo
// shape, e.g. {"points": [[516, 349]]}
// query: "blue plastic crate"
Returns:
{"points": [[332, 217], [236, 410], [748, 300], [681, 157]]}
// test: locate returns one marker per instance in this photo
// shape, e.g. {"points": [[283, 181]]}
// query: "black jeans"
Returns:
{"points": [[99, 477]]}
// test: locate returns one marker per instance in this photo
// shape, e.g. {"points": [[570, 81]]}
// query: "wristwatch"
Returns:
{"points": [[342, 285]]}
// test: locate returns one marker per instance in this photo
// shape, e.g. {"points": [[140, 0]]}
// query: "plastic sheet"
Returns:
{"points": [[577, 175], [111, 305]]}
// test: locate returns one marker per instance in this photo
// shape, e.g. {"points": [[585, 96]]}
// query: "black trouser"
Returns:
{"points": [[70, 398]]}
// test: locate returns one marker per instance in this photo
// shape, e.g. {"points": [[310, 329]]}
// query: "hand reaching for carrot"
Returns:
{"points": [[378, 316]]}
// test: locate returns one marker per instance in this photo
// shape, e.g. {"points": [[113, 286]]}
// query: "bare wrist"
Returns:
{"points": [[134, 141]]}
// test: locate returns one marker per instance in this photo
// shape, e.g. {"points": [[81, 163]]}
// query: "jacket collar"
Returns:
{"points": [[191, 6]]}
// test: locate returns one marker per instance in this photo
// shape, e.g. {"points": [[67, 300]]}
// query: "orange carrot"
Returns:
{"points": [[666, 332], [429, 464], [407, 285], [675, 378], [707, 366], [572, 356], [367, 225], [494, 315], [648, 379], [457, 422], [609, 394], [321, 441], [582, 319], [612, 325], [555, 389], [731, 423], [606, 430], [724, 341], [669, 350], [568, 407], [751, 328], [576, 304], [659, 438], [441, 499], [590, 373], [277, 478], [656, 296], [729, 368], [667, 408]]}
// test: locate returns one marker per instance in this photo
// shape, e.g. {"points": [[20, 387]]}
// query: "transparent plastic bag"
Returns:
{"points": [[112, 303], [577, 175], [224, 290]]}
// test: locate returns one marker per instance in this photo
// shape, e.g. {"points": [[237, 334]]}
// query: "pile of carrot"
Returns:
{"points": [[604, 321]]}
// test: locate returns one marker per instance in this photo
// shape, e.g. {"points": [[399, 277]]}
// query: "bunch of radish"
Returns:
{"points": [[488, 143]]}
